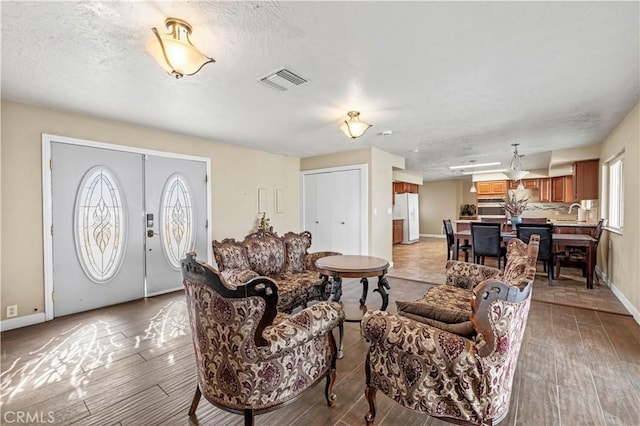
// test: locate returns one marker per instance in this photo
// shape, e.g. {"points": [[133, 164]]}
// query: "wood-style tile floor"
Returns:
{"points": [[425, 260], [133, 364]]}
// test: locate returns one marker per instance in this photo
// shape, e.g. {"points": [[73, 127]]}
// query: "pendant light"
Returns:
{"points": [[515, 171]]}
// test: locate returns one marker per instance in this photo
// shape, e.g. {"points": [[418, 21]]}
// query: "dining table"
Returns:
{"points": [[579, 240]]}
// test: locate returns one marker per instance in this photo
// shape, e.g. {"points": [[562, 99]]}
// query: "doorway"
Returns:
{"points": [[120, 221]]}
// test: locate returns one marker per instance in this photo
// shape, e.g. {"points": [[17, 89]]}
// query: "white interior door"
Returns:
{"points": [[332, 206], [176, 219], [98, 256]]}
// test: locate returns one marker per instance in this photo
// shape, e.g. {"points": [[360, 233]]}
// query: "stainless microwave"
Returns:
{"points": [[491, 207]]}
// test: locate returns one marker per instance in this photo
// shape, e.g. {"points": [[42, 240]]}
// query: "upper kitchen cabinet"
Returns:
{"points": [[405, 187], [585, 180], [545, 190], [562, 189], [527, 183], [492, 187]]}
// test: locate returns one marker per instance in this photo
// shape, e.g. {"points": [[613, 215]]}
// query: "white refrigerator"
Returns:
{"points": [[406, 208]]}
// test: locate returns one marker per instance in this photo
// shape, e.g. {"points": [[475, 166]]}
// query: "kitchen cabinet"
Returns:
{"points": [[397, 231], [492, 187], [585, 180], [573, 229], [527, 183], [405, 187], [562, 189], [545, 190]]}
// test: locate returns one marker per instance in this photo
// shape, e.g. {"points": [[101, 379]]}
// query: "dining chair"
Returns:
{"points": [[539, 220], [577, 255], [487, 242], [545, 251], [451, 242]]}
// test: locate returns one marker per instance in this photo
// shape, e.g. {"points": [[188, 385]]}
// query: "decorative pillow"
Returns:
{"points": [[468, 275], [464, 329], [436, 312], [296, 246], [230, 254]]}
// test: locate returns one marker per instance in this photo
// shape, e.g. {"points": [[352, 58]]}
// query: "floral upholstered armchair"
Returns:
{"points": [[459, 375], [249, 358]]}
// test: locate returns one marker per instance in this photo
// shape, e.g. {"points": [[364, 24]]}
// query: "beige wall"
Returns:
{"points": [[440, 200], [618, 254], [236, 174], [381, 165]]}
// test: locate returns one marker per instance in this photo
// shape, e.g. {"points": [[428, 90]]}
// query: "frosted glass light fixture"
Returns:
{"points": [[515, 171], [473, 187], [174, 51], [353, 127]]}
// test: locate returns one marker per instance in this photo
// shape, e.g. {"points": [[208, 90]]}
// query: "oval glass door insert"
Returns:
{"points": [[100, 225], [176, 220]]}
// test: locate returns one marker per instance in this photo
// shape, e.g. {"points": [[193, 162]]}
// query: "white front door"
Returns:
{"points": [[98, 255], [122, 222], [175, 219]]}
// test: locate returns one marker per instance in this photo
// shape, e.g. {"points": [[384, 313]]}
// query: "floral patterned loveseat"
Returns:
{"points": [[458, 375], [283, 259]]}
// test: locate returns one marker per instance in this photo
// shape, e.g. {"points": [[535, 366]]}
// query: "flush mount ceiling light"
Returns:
{"points": [[353, 127], [174, 51], [515, 171], [495, 163]]}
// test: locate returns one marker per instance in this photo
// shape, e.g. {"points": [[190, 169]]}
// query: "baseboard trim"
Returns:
{"points": [[621, 297], [27, 320], [433, 235]]}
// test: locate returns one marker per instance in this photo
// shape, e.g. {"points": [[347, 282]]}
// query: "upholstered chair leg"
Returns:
{"points": [[249, 418], [370, 394], [328, 389], [196, 400], [341, 341]]}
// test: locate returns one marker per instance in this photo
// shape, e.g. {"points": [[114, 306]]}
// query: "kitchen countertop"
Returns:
{"points": [[555, 222]]}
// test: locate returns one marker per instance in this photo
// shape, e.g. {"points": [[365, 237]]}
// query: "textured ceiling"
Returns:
{"points": [[455, 80]]}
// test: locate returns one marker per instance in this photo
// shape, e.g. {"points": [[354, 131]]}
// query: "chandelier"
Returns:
{"points": [[353, 127], [174, 51], [515, 171]]}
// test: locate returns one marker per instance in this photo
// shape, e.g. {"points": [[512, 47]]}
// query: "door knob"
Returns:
{"points": [[150, 233]]}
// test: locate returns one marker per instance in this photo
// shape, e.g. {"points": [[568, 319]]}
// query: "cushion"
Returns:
{"points": [[266, 254], [230, 254], [437, 312], [296, 246], [464, 329], [468, 275]]}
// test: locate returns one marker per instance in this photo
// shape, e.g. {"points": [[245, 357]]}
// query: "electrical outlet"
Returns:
{"points": [[12, 311]]}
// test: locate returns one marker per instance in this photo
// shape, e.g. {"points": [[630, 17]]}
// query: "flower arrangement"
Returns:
{"points": [[513, 205], [263, 223]]}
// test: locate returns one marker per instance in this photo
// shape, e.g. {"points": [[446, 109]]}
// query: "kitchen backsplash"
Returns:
{"points": [[555, 211]]}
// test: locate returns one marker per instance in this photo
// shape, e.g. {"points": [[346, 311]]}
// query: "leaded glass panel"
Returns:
{"points": [[176, 220], [100, 225]]}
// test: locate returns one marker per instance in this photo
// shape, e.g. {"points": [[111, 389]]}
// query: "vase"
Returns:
{"points": [[515, 221]]}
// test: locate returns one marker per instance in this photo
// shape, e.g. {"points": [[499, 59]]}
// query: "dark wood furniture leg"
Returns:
{"points": [[336, 289], [195, 402], [369, 394], [365, 290], [249, 418], [383, 286]]}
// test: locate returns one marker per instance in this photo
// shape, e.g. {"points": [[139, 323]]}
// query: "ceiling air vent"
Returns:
{"points": [[282, 80]]}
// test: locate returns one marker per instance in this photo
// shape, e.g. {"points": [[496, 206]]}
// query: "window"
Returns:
{"points": [[615, 198]]}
